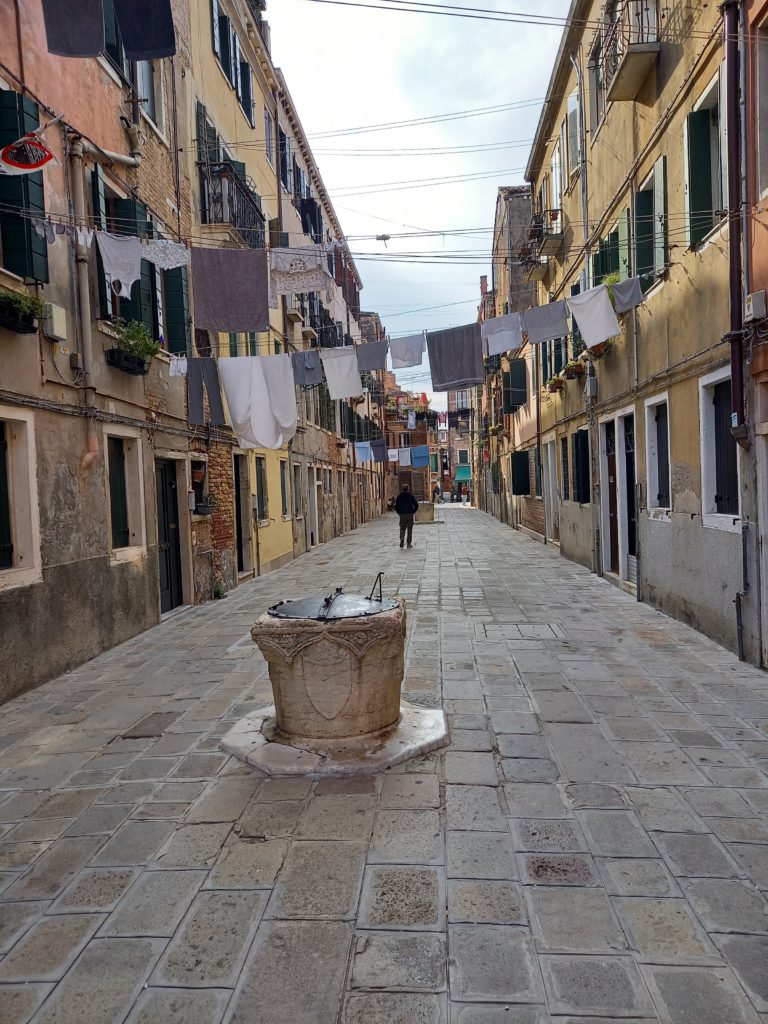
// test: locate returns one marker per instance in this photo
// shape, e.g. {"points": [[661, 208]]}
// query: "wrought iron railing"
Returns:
{"points": [[634, 21], [227, 198]]}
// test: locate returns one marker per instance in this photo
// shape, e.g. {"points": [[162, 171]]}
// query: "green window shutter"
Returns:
{"points": [[559, 355], [23, 252], [118, 501], [233, 345], [6, 536], [612, 253], [660, 215], [239, 168], [106, 298], [700, 199], [506, 402], [225, 45], [215, 38], [176, 289], [644, 236], [518, 384], [581, 482], [131, 219], [284, 488], [521, 473], [625, 262]]}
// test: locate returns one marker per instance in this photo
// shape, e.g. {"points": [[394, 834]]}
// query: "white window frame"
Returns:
{"points": [[656, 512], [459, 453], [25, 511], [709, 518], [134, 492]]}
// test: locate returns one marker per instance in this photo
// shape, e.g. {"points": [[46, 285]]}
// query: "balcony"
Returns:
{"points": [[551, 239], [227, 198], [534, 267], [630, 48]]}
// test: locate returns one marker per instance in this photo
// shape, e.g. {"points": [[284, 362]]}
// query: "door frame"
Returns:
{"points": [[181, 461], [550, 488], [617, 417]]}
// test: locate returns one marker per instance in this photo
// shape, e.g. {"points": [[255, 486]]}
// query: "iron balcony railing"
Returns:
{"points": [[631, 22], [227, 198]]}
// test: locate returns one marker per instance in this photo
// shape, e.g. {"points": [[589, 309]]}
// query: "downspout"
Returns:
{"points": [[79, 149], [590, 389], [731, 10]]}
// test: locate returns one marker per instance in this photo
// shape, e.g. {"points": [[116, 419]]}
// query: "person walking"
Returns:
{"points": [[464, 494], [436, 494], [406, 507]]}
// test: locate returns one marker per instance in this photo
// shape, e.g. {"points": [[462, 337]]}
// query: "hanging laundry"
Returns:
{"points": [[502, 334], [295, 271], [442, 420], [379, 449], [307, 371], [594, 315], [341, 372], [372, 356], [363, 451], [627, 294], [230, 289], [411, 419], [84, 236], [261, 399], [545, 323], [50, 232], [203, 372], [74, 28], [178, 366], [121, 257], [70, 230], [407, 352], [146, 28], [456, 357], [420, 456], [165, 254], [393, 454], [39, 226], [60, 229], [405, 456]]}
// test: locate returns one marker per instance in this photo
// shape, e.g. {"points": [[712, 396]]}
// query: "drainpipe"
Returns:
{"points": [[731, 12], [79, 149]]}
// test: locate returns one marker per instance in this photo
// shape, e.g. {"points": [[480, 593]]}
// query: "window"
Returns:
{"points": [[706, 165], [597, 86], [565, 475], [284, 510], [537, 470], [557, 185], [404, 440], [252, 343], [22, 252], [198, 470], [582, 490], [574, 134], [245, 93], [462, 400], [118, 498], [651, 225], [286, 170], [559, 354], [113, 44], [761, 91], [719, 453], [278, 347], [433, 462], [297, 509], [269, 137], [463, 457], [20, 562], [234, 344], [657, 444], [261, 488], [520, 471], [125, 491], [514, 386], [146, 83]]}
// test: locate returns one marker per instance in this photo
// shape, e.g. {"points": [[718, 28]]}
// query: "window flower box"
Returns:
{"points": [[128, 362], [19, 313]]}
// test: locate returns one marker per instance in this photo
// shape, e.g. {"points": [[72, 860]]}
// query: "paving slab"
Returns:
{"points": [[319, 880], [406, 961], [480, 855], [482, 901], [19, 1002], [727, 905], [664, 931], [696, 855], [48, 948], [690, 995], [493, 963], [394, 1008], [573, 920], [179, 1006], [408, 836], [747, 956], [155, 905], [604, 986], [402, 898]]}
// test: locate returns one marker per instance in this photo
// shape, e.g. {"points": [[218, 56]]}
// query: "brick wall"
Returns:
{"points": [[532, 509]]}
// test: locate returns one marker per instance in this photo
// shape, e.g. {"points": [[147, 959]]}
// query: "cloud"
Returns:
{"points": [[348, 67]]}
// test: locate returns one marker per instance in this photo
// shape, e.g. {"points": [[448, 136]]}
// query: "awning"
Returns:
{"points": [[463, 473]]}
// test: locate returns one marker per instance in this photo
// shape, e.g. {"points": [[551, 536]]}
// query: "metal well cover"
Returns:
{"points": [[332, 606]]}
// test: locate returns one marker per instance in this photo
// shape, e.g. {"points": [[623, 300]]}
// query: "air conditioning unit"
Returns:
{"points": [[754, 307], [55, 322]]}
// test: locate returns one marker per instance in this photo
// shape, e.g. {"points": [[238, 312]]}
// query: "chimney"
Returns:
{"points": [[484, 284]]}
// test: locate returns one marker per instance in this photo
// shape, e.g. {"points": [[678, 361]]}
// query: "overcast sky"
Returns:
{"points": [[347, 68]]}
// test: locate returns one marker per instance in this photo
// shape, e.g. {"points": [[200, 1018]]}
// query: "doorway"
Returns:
{"points": [[551, 497], [613, 498], [168, 540], [242, 514], [312, 494], [619, 496], [630, 499]]}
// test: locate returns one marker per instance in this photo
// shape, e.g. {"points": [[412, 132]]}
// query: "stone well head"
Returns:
{"points": [[335, 664]]}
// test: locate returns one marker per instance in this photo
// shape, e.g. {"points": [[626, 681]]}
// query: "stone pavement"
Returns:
{"points": [[593, 845]]}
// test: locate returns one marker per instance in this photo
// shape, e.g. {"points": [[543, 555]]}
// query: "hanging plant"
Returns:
{"points": [[134, 349], [599, 351], [555, 384], [574, 369], [609, 281]]}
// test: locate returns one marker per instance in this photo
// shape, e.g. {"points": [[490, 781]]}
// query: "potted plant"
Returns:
{"points": [[134, 349], [19, 311], [204, 507], [598, 351], [555, 384], [574, 369]]}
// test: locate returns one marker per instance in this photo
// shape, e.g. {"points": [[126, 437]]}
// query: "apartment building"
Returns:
{"points": [[630, 449]]}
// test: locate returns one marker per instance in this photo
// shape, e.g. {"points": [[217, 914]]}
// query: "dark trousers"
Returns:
{"points": [[203, 371], [406, 525]]}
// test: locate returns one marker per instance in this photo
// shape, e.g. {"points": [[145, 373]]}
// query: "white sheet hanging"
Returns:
{"points": [[502, 334], [341, 372], [594, 315], [261, 397], [406, 352]]}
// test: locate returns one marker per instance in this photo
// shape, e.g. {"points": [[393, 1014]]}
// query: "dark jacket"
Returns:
{"points": [[406, 504]]}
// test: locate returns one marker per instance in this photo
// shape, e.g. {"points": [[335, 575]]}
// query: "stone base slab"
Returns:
{"points": [[254, 739]]}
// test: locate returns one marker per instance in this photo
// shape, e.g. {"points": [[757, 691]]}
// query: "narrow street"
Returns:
{"points": [[592, 844]]}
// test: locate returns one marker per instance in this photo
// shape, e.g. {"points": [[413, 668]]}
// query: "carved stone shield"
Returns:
{"points": [[328, 673]]}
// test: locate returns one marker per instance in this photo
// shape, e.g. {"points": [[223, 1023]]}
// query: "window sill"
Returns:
{"points": [[715, 234], [114, 74], [261, 523], [718, 521], [130, 554], [10, 579], [660, 515], [286, 519]]}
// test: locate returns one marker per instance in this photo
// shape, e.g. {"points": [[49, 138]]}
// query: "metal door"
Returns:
{"points": [[168, 541], [613, 511]]}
